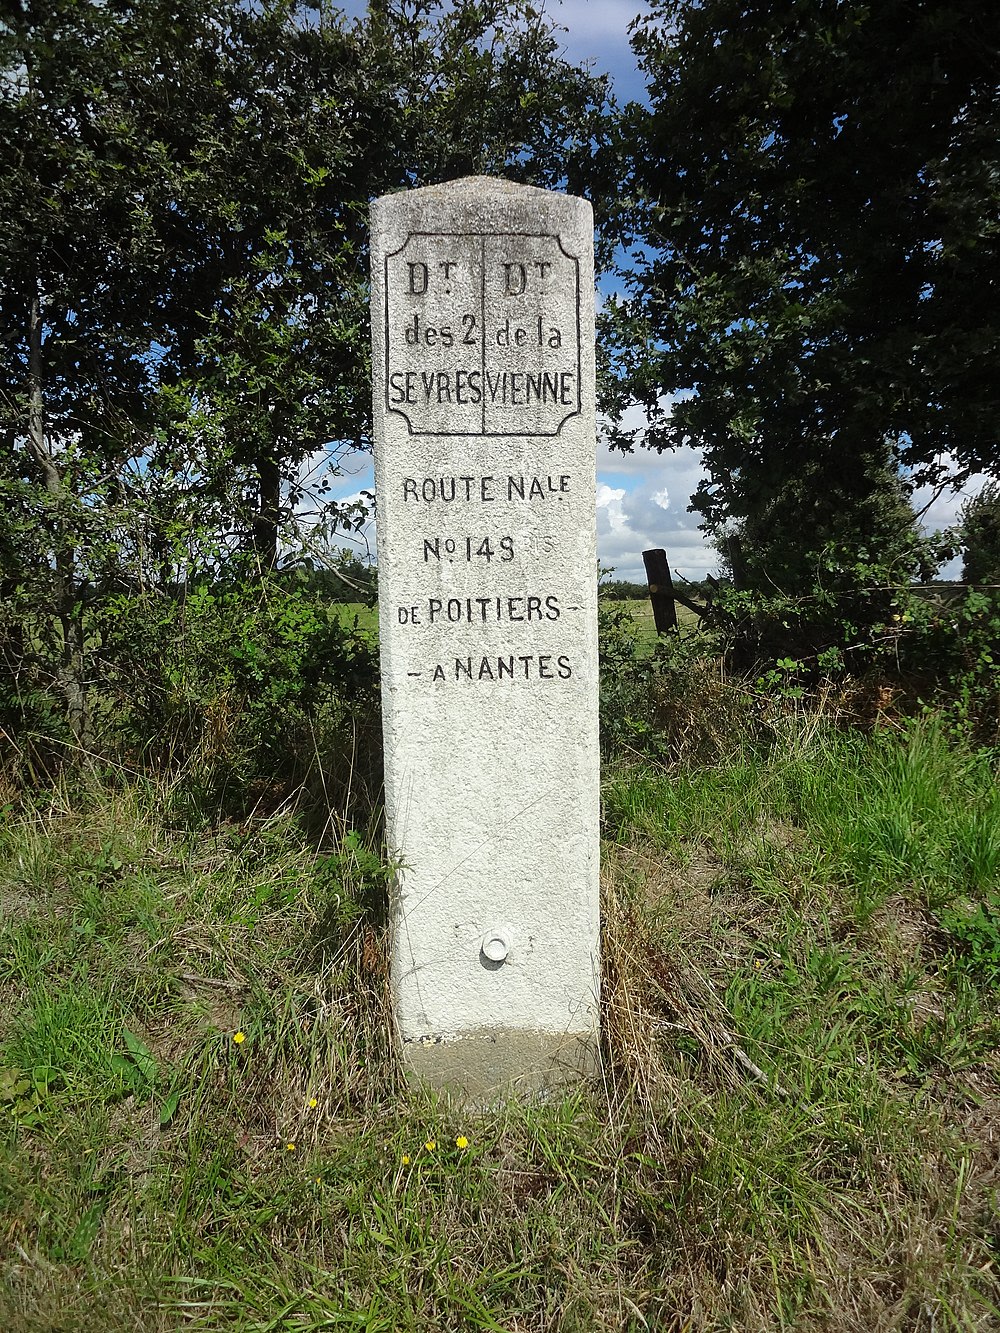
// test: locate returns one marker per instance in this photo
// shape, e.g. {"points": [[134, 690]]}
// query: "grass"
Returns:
{"points": [[795, 1125], [360, 613], [641, 614]]}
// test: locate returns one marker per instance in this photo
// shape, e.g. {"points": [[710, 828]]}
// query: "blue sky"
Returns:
{"points": [[642, 498]]}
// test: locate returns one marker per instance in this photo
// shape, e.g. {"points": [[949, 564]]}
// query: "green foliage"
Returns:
{"points": [[618, 648], [622, 669], [622, 590], [232, 673], [976, 936], [821, 530], [981, 536], [201, 1114], [23, 1095], [933, 644], [184, 312], [353, 885], [949, 645], [672, 703], [343, 577], [818, 187], [815, 196]]}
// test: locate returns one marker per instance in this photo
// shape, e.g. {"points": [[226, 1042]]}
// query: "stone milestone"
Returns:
{"points": [[483, 351]]}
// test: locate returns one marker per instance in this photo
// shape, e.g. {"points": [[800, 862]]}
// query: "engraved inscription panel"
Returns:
{"points": [[482, 605], [471, 346]]}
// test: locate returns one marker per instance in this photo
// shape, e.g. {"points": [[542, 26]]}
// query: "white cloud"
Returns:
{"points": [[596, 23], [640, 515], [610, 514], [348, 474], [942, 509], [652, 511]]}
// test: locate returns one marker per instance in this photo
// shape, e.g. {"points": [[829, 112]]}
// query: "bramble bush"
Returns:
{"points": [[856, 633], [934, 645], [232, 673], [950, 646]]}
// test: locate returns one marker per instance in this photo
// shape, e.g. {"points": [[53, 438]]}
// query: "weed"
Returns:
{"points": [[204, 1122]]}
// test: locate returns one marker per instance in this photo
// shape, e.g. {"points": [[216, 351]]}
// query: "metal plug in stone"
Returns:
{"points": [[497, 943]]}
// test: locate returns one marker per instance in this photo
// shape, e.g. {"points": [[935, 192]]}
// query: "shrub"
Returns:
{"points": [[232, 672]]}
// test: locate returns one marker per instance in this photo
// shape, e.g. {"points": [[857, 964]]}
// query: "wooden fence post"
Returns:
{"points": [[661, 590]]}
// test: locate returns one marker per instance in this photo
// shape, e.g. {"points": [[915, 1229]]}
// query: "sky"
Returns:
{"points": [[643, 497]]}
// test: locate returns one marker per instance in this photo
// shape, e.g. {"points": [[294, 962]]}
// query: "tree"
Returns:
{"points": [[817, 186], [416, 93], [183, 317], [981, 536], [794, 537]]}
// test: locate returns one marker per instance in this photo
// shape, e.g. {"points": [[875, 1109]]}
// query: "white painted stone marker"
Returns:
{"points": [[483, 351]]}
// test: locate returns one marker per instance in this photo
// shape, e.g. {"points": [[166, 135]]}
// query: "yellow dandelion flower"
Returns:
{"points": [[405, 1159], [313, 1103], [290, 1147], [239, 1037], [461, 1141], [430, 1145]]}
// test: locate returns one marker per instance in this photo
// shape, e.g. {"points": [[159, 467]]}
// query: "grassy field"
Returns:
{"points": [[794, 1127], [366, 616], [639, 611]]}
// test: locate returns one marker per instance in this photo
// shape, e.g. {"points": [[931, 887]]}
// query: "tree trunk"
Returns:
{"points": [[12, 647], [265, 528], [65, 603]]}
